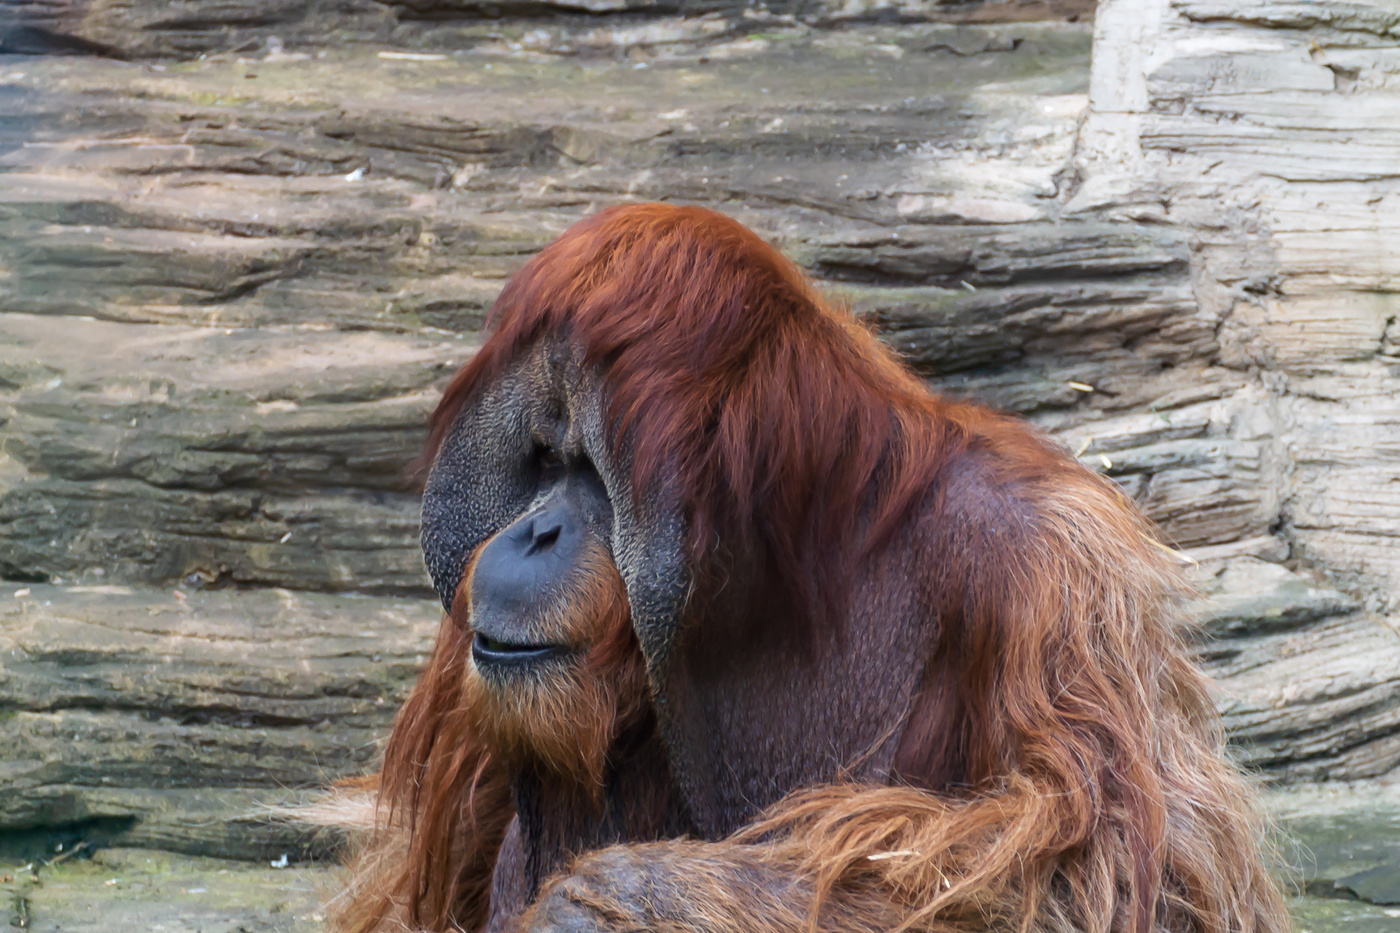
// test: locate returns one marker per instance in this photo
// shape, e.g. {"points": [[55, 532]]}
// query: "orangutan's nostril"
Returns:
{"points": [[544, 540]]}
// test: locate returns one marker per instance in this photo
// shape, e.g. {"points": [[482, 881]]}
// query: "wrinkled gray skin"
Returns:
{"points": [[479, 485], [743, 721]]}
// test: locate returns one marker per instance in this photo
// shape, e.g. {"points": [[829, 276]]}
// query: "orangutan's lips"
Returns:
{"points": [[488, 650]]}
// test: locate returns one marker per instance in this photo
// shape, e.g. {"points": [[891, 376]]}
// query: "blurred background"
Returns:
{"points": [[243, 244]]}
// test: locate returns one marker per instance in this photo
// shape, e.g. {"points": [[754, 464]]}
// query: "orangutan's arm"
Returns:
{"points": [[690, 887]]}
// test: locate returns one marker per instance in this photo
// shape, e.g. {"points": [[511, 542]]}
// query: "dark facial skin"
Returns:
{"points": [[527, 494], [525, 572]]}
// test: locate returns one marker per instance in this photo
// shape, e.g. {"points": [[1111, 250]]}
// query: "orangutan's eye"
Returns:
{"points": [[547, 458]]}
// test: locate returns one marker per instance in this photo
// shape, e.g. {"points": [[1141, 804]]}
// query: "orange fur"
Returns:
{"points": [[1101, 801], [568, 722], [444, 797], [1061, 768]]}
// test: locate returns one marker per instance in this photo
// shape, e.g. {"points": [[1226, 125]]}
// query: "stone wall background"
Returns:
{"points": [[243, 243]]}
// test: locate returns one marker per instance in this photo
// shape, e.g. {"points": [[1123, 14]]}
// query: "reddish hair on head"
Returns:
{"points": [[727, 374]]}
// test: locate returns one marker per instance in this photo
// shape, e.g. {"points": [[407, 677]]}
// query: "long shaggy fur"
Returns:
{"points": [[443, 792], [1062, 767], [567, 722], [1097, 797]]}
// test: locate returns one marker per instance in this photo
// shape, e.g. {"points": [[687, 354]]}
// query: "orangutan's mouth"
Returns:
{"points": [[491, 651]]}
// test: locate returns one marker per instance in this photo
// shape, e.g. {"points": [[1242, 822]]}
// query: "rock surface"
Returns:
{"points": [[1337, 847], [187, 28], [181, 721], [207, 456], [1340, 848], [231, 287], [142, 891], [1265, 132]]}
